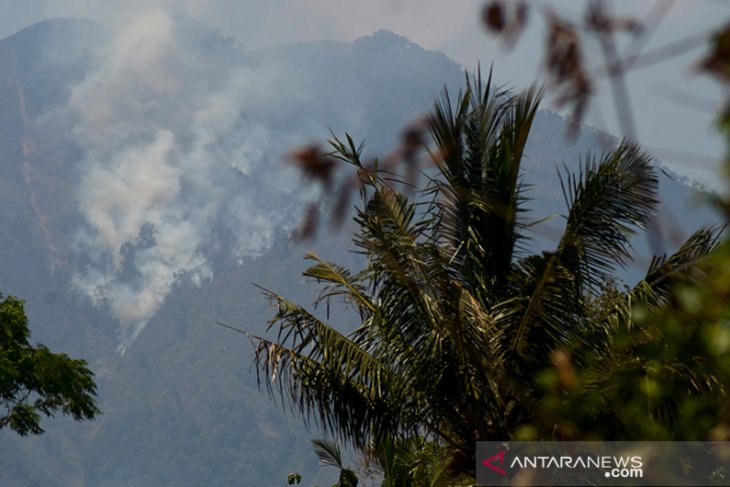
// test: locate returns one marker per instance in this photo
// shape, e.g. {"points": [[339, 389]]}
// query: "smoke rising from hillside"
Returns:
{"points": [[170, 159]]}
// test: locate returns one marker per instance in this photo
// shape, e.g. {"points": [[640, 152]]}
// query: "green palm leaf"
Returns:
{"points": [[608, 202], [664, 271]]}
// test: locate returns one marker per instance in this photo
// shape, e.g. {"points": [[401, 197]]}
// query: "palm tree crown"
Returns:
{"points": [[457, 319]]}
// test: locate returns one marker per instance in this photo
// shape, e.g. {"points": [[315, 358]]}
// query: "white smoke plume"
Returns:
{"points": [[170, 157]]}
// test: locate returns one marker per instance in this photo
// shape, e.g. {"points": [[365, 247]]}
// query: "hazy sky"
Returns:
{"points": [[673, 106]]}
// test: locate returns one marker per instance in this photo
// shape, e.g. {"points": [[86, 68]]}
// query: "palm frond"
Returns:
{"points": [[328, 452], [607, 203], [504, 191], [625, 356], [656, 288], [346, 151], [329, 378], [544, 312], [664, 271], [341, 283], [480, 149]]}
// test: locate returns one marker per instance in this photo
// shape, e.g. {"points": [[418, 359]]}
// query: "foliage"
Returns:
{"points": [[683, 335], [35, 381], [665, 372], [329, 454], [412, 462], [458, 322]]}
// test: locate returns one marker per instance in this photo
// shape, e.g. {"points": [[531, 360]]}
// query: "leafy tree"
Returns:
{"points": [[458, 322], [35, 381]]}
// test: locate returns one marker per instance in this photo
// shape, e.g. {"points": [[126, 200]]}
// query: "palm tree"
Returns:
{"points": [[456, 318]]}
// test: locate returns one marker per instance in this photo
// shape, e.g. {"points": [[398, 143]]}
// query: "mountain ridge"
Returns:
{"points": [[180, 406]]}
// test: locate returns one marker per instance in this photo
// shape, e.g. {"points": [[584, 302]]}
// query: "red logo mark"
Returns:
{"points": [[499, 456]]}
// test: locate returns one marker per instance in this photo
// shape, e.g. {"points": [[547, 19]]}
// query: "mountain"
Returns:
{"points": [[142, 193]]}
